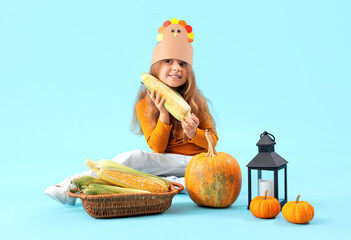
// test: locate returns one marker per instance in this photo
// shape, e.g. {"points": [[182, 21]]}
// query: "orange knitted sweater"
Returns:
{"points": [[161, 140]]}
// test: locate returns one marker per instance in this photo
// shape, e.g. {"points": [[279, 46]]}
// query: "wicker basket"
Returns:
{"points": [[126, 204]]}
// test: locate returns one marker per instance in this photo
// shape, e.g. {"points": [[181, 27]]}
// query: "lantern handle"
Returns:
{"points": [[267, 133]]}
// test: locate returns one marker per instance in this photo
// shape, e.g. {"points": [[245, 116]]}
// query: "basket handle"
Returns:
{"points": [[181, 187], [73, 195]]}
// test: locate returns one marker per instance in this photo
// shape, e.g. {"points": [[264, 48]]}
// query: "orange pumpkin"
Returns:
{"points": [[298, 211], [213, 179], [265, 206]]}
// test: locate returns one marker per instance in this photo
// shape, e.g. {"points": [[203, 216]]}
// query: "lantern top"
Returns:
{"points": [[266, 158], [266, 139]]}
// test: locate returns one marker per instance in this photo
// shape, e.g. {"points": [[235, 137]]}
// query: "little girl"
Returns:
{"points": [[173, 142]]}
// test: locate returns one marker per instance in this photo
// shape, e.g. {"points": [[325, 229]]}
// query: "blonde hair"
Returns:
{"points": [[188, 91]]}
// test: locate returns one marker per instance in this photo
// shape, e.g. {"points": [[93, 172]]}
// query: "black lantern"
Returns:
{"points": [[267, 160]]}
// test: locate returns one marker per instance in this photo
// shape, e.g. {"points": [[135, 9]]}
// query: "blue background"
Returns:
{"points": [[70, 71]]}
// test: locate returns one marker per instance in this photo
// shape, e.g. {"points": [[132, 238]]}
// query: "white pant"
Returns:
{"points": [[160, 164]]}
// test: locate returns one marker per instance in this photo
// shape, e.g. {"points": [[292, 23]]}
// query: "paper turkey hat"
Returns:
{"points": [[174, 42]]}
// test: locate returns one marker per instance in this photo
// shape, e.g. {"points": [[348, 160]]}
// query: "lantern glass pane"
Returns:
{"points": [[281, 185], [254, 183], [267, 174], [265, 182]]}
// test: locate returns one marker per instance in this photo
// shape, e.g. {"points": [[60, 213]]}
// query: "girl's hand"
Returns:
{"points": [[158, 101], [190, 125], [164, 114]]}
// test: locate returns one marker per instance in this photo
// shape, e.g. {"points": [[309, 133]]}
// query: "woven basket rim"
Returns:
{"points": [[173, 191]]}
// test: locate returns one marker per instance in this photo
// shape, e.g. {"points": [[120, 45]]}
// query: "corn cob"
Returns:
{"points": [[84, 181], [174, 102], [97, 189], [123, 176]]}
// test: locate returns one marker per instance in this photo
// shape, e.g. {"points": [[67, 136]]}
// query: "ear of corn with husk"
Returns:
{"points": [[84, 181], [174, 102], [97, 189], [123, 176]]}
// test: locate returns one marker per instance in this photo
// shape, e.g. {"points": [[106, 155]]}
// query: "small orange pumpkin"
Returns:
{"points": [[265, 206], [213, 179], [298, 211]]}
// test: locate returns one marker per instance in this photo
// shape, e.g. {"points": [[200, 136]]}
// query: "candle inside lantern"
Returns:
{"points": [[266, 184]]}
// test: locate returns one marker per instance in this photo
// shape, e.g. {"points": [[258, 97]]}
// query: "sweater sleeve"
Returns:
{"points": [[199, 139], [158, 137]]}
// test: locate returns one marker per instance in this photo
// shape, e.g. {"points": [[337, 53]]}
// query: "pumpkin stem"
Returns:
{"points": [[298, 197], [211, 149], [265, 195]]}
